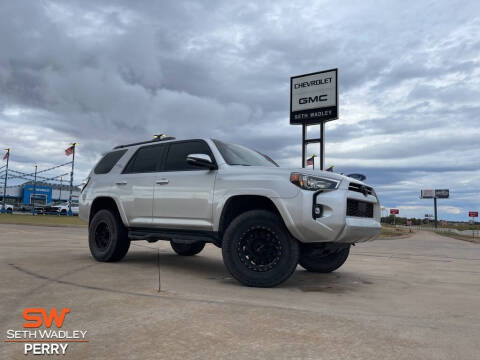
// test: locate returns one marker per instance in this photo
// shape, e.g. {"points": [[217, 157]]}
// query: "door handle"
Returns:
{"points": [[162, 182], [121, 183]]}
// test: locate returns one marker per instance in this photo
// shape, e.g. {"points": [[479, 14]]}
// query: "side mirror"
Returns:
{"points": [[201, 160]]}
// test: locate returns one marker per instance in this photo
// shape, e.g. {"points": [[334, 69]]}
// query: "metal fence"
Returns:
{"points": [[469, 233]]}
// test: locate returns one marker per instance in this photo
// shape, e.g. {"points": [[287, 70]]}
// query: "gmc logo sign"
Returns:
{"points": [[315, 99]]}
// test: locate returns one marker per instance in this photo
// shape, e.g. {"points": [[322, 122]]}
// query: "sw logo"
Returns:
{"points": [[36, 320], [45, 341]]}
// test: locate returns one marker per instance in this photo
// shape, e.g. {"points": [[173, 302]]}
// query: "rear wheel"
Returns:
{"points": [[258, 250], [107, 237], [187, 249], [321, 258]]}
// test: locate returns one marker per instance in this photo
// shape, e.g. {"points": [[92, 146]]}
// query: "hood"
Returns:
{"points": [[287, 171]]}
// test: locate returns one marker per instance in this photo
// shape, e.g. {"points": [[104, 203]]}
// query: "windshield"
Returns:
{"points": [[241, 155]]}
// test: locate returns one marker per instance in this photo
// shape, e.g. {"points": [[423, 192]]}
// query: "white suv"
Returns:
{"points": [[265, 218]]}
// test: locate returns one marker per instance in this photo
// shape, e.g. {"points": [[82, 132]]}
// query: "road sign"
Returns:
{"points": [[473, 213], [409, 222], [442, 193], [394, 211], [314, 97]]}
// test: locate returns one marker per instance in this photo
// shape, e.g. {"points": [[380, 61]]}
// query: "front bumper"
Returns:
{"points": [[333, 225]]}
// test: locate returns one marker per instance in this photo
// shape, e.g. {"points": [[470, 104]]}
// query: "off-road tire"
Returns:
{"points": [[313, 259], [258, 250], [187, 249], [107, 237]]}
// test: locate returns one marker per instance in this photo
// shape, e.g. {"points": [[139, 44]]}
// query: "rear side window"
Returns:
{"points": [[108, 162], [177, 155], [146, 159]]}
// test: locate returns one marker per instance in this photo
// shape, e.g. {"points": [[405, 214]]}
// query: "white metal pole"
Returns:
{"points": [[5, 183], [71, 183]]}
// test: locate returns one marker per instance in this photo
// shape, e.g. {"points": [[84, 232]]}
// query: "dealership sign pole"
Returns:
{"points": [[314, 101], [394, 212], [473, 214], [435, 194]]}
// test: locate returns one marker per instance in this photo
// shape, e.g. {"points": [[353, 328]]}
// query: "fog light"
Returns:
{"points": [[317, 211]]}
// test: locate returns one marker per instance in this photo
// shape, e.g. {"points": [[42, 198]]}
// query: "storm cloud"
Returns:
{"points": [[104, 73]]}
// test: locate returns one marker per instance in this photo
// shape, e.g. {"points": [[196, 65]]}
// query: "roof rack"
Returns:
{"points": [[156, 139]]}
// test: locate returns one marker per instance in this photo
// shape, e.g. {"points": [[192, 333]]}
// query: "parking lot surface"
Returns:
{"points": [[411, 298]]}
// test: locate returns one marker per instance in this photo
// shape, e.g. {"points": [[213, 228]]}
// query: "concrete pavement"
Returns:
{"points": [[413, 298]]}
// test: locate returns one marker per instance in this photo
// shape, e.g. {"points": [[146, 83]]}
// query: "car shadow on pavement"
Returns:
{"points": [[207, 267]]}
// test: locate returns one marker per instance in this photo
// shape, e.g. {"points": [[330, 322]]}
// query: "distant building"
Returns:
{"points": [[44, 194]]}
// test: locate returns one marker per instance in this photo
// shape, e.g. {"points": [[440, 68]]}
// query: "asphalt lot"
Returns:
{"points": [[413, 298]]}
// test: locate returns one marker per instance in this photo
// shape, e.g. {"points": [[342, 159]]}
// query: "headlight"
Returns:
{"points": [[313, 183]]}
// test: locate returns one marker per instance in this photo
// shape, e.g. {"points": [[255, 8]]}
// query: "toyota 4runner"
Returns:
{"points": [[266, 219]]}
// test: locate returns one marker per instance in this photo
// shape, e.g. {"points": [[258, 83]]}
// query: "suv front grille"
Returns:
{"points": [[359, 208], [366, 190]]}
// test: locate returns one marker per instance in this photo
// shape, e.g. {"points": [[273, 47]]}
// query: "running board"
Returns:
{"points": [[179, 236]]}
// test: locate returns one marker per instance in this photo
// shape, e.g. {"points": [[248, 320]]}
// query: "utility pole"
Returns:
{"points": [[435, 211], [34, 191], [71, 182], [4, 209]]}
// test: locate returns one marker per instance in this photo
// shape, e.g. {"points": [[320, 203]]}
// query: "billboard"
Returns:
{"points": [[314, 97], [437, 193], [427, 194], [473, 213], [394, 211], [442, 193]]}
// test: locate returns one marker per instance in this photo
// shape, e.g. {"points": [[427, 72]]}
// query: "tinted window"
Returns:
{"points": [[145, 159], [108, 162], [241, 155], [177, 155]]}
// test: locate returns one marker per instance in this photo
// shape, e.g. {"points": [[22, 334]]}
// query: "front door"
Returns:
{"points": [[183, 193]]}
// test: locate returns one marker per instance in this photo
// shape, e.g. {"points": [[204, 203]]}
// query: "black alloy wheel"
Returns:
{"points": [[259, 248]]}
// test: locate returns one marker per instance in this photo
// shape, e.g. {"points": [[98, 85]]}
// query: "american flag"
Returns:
{"points": [[69, 151], [7, 154], [310, 161]]}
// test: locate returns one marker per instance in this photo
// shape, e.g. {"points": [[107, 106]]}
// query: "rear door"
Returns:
{"points": [[183, 193], [135, 185]]}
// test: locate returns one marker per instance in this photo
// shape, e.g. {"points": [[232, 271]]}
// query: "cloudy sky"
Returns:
{"points": [[104, 73]]}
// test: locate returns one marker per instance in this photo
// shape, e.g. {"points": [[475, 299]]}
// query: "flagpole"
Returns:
{"points": [[61, 183], [71, 183], [34, 191], [4, 210]]}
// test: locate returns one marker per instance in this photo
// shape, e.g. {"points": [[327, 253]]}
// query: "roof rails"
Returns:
{"points": [[156, 139]]}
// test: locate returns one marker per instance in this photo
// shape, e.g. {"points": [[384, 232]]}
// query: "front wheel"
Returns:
{"points": [[258, 250], [107, 237], [320, 259], [187, 249]]}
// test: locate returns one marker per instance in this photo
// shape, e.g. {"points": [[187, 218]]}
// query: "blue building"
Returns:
{"points": [[42, 194], [45, 194]]}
